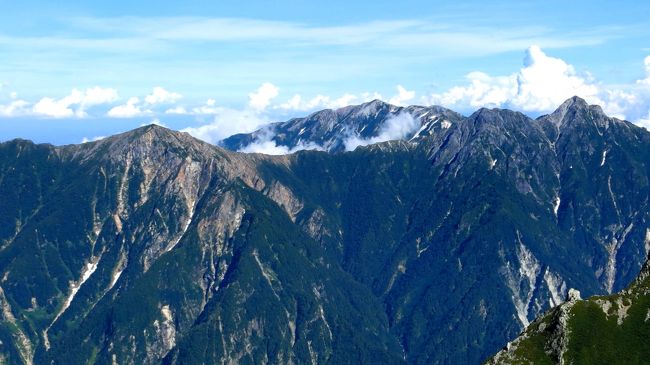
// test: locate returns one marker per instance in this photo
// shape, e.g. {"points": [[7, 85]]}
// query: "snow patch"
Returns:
{"points": [[417, 134], [86, 273], [445, 124], [556, 204], [602, 161]]}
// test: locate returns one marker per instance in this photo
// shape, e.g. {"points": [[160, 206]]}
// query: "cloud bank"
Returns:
{"points": [[542, 84]]}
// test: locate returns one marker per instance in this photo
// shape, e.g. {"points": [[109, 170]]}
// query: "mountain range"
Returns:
{"points": [[437, 247]]}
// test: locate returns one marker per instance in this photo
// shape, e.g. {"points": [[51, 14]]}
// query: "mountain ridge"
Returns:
{"points": [[431, 250]]}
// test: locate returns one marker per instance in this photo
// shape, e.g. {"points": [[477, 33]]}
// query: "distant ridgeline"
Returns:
{"points": [[436, 241]]}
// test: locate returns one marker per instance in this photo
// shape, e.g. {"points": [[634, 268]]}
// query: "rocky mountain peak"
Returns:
{"points": [[144, 142], [499, 119], [574, 110]]}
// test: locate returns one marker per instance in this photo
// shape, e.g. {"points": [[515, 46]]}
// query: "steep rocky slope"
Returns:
{"points": [[611, 329]]}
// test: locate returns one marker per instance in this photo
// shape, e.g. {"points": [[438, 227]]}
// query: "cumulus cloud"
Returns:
{"points": [[396, 127], [136, 107], [261, 98], [131, 109], [227, 122], [403, 96], [15, 108], [299, 103], [179, 110], [210, 107], [541, 85], [74, 104], [161, 96], [545, 82]]}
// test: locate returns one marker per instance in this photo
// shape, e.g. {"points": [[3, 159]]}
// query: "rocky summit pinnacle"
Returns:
{"points": [[437, 245]]}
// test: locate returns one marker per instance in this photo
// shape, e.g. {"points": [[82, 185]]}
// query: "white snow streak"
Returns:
{"points": [[88, 270]]}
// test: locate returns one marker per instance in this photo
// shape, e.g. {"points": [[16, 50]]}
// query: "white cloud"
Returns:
{"points": [[540, 86], [210, 107], [261, 98], [74, 104], [53, 108], [645, 122], [86, 140], [161, 96], [227, 122], [545, 82], [129, 110], [403, 96], [397, 127], [298, 103], [15, 108], [264, 144], [176, 110], [154, 121], [135, 107]]}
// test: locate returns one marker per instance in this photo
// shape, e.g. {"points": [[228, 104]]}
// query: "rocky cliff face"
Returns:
{"points": [[610, 329], [152, 246]]}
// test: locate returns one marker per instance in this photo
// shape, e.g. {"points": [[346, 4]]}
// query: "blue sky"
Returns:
{"points": [[74, 69]]}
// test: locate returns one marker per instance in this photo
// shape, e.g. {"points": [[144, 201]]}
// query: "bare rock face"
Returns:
{"points": [[586, 330]]}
